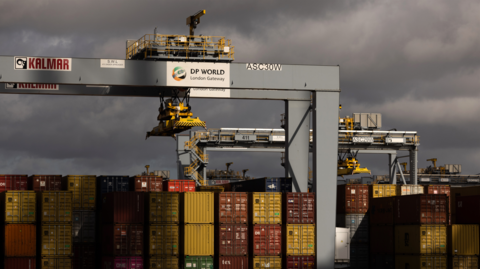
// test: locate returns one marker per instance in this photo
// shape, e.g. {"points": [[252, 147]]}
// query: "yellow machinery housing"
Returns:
{"points": [[350, 166]]}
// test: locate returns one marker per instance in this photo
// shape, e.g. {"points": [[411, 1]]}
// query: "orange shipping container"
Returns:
{"points": [[20, 240]]}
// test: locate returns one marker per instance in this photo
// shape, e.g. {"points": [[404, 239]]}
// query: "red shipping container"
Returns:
{"points": [[231, 207], [352, 199], [266, 239], [122, 240], [84, 255], [440, 189], [123, 207], [299, 262], [232, 240], [299, 208], [179, 185], [232, 262], [146, 183], [382, 239], [18, 240], [468, 209], [13, 183], [45, 182], [20, 263], [122, 262], [382, 211], [421, 209]]}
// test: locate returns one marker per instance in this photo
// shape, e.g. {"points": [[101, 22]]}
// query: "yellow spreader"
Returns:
{"points": [[350, 166]]}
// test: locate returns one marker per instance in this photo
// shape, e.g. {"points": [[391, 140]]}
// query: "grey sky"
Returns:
{"points": [[416, 62]]}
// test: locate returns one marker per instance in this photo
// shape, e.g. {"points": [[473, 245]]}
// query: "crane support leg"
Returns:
{"points": [[392, 168], [297, 136], [325, 149], [184, 158], [413, 166]]}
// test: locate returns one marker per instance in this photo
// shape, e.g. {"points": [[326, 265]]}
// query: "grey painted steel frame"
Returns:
{"points": [[297, 143], [325, 149], [183, 157]]}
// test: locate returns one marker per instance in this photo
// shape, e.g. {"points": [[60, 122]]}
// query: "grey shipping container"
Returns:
{"points": [[263, 185], [382, 261], [106, 184], [83, 230], [358, 224], [359, 256]]}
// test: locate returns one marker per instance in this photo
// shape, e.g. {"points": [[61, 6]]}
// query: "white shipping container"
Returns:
{"points": [[409, 189], [342, 245]]}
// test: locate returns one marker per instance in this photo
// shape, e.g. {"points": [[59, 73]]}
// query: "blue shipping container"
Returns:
{"points": [[106, 184], [266, 184]]}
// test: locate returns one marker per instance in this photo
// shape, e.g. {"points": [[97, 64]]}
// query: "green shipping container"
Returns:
{"points": [[199, 262]]}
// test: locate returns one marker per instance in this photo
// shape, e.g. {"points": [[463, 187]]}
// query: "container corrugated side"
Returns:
{"points": [[263, 185], [382, 261], [146, 184], [299, 208], [299, 262], [199, 207], [359, 256], [45, 183], [55, 240], [84, 255], [409, 189], [352, 198], [266, 240], [123, 207], [163, 240], [199, 240], [179, 185], [200, 262], [270, 262], [463, 240], [382, 211], [231, 262], [55, 206], [266, 207], [84, 227], [215, 189], [19, 206], [106, 184], [20, 263], [56, 263], [163, 207], [84, 190], [163, 262], [421, 209], [358, 225], [455, 192], [131, 262], [232, 239], [19, 240], [299, 239], [123, 240], [231, 207], [421, 239], [463, 262], [13, 182], [382, 190], [421, 262], [468, 209], [382, 239]]}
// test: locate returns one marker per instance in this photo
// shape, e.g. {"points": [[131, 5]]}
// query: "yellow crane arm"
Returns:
{"points": [[194, 20]]}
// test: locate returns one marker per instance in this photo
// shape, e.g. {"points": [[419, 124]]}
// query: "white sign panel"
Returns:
{"points": [[395, 140], [444, 179], [207, 75], [263, 67], [32, 86], [358, 139], [209, 92], [472, 180], [424, 179], [42, 63], [278, 138], [112, 63]]}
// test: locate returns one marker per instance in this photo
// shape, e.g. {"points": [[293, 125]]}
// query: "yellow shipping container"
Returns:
{"points": [[84, 191], [266, 207], [56, 240], [215, 189], [271, 262], [409, 189], [463, 240], [421, 239], [163, 262], [19, 206], [463, 262], [55, 206], [163, 207], [163, 240], [199, 207], [300, 239], [421, 262], [199, 240], [462, 191], [382, 190], [56, 263]]}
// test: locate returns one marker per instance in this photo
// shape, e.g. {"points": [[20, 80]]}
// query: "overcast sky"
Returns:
{"points": [[415, 61]]}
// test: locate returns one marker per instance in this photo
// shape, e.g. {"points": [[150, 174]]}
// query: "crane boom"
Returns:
{"points": [[194, 20]]}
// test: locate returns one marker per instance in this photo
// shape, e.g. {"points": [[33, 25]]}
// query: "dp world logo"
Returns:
{"points": [[179, 73]]}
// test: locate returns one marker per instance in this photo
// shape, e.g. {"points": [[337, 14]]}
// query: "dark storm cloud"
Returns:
{"points": [[416, 62]]}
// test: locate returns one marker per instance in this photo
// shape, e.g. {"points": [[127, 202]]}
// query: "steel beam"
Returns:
{"points": [[392, 168], [413, 167], [184, 159], [297, 140], [325, 148]]}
